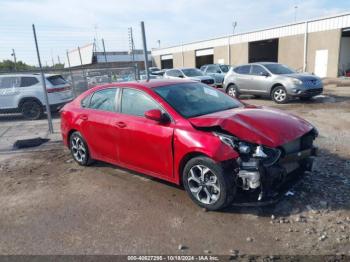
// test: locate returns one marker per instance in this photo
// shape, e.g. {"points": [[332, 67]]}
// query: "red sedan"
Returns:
{"points": [[189, 134]]}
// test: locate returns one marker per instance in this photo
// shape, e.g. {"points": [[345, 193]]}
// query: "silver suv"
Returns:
{"points": [[24, 94], [271, 79]]}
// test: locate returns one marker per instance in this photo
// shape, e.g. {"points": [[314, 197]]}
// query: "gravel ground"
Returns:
{"points": [[50, 205]]}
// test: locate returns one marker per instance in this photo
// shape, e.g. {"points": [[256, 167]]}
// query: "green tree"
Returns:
{"points": [[9, 66]]}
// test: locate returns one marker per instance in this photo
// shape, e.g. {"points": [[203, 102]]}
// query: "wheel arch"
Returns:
{"points": [[184, 161], [274, 86], [29, 98], [69, 135], [230, 84]]}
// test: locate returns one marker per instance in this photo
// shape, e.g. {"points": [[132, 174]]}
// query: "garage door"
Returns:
{"points": [[263, 51], [166, 61], [204, 56]]}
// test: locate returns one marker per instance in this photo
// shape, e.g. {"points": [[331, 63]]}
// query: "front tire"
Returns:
{"points": [[279, 95], [79, 149], [232, 91], [208, 184]]}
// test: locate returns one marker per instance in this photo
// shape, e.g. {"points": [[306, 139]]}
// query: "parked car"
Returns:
{"points": [[217, 71], [272, 79], [190, 134], [189, 73], [156, 71], [24, 93]]}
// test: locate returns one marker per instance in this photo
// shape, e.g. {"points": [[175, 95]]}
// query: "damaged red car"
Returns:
{"points": [[193, 135]]}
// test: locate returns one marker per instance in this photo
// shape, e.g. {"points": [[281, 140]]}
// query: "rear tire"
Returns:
{"points": [[79, 149], [208, 184], [31, 110], [279, 95], [232, 91]]}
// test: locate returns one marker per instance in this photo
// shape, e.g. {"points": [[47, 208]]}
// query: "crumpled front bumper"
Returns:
{"points": [[277, 179]]}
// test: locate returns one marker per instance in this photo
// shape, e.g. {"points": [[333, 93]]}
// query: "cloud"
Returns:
{"points": [[65, 24]]}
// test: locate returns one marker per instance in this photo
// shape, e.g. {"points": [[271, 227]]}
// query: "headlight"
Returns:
{"points": [[227, 139], [244, 148], [296, 81]]}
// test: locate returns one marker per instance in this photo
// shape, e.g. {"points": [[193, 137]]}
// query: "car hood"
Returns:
{"points": [[259, 125], [200, 78], [303, 76]]}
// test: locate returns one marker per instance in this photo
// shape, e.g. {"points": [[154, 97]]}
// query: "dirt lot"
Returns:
{"points": [[50, 205]]}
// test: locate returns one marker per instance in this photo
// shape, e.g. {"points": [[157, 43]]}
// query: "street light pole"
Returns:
{"points": [[14, 58], [48, 111], [145, 48]]}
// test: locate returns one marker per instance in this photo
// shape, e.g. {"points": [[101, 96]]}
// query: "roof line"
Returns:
{"points": [[257, 30]]}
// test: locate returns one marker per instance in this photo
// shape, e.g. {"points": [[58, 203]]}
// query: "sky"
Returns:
{"points": [[66, 24]]}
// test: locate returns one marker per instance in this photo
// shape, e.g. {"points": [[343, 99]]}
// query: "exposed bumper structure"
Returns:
{"points": [[260, 185]]}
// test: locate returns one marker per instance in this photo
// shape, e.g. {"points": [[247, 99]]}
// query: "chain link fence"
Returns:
{"points": [[22, 105]]}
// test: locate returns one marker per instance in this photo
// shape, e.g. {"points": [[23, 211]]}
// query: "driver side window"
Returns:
{"points": [[136, 103]]}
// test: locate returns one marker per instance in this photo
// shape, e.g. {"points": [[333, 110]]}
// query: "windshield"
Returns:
{"points": [[224, 68], [196, 99], [279, 69], [192, 72]]}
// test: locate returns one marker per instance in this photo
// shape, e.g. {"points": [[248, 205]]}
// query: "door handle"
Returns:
{"points": [[83, 117], [120, 124]]}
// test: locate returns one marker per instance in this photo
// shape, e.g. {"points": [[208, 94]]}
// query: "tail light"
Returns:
{"points": [[58, 89]]}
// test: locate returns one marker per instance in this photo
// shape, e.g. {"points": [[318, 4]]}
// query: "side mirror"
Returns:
{"points": [[181, 76], [219, 72], [157, 115], [266, 74]]}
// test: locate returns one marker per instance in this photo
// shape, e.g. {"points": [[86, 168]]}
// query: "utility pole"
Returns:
{"points": [[158, 41], [295, 13], [71, 74], [132, 50], [104, 50], [145, 49], [14, 58], [234, 24], [48, 111]]}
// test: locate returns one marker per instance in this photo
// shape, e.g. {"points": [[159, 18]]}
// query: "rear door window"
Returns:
{"points": [[28, 81], [56, 80], [9, 82], [243, 70], [104, 100]]}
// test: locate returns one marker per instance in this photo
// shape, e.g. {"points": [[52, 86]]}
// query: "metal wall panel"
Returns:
{"points": [[315, 25]]}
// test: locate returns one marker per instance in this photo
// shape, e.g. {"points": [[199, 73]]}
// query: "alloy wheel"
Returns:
{"points": [[280, 95], [231, 91], [78, 149], [203, 184]]}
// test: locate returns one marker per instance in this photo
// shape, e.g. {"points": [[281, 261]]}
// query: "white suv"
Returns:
{"points": [[24, 93]]}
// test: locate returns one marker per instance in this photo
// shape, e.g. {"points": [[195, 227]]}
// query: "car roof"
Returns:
{"points": [[263, 63], [22, 75], [152, 83]]}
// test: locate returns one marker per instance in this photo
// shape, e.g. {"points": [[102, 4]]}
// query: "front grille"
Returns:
{"points": [[300, 144], [311, 83], [208, 81]]}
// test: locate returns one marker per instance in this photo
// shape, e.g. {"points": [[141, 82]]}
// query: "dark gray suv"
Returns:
{"points": [[271, 79]]}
